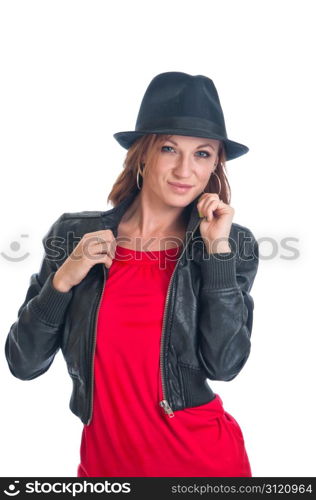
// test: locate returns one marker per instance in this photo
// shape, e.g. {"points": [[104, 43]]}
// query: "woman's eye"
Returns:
{"points": [[167, 147], [205, 152]]}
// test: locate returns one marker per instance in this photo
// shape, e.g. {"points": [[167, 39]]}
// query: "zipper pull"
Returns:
{"points": [[164, 403]]}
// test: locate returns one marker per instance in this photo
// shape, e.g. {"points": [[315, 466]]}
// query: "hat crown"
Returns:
{"points": [[175, 94]]}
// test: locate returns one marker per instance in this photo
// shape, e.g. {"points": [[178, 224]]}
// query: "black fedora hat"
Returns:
{"points": [[182, 104]]}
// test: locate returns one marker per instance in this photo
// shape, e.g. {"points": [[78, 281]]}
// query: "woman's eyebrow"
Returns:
{"points": [[200, 146]]}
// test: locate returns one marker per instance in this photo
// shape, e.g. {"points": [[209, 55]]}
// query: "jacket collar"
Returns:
{"points": [[112, 217]]}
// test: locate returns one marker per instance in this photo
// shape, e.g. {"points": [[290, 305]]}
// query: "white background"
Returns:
{"points": [[72, 74]]}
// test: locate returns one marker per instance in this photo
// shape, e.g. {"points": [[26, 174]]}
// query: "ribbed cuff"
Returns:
{"points": [[51, 304], [219, 270]]}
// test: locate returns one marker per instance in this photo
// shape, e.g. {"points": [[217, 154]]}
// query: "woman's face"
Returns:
{"points": [[182, 160]]}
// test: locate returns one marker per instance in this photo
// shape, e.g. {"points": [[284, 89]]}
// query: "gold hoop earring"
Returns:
{"points": [[219, 181], [137, 175]]}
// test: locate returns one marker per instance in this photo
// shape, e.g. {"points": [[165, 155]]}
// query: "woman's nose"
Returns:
{"points": [[183, 166]]}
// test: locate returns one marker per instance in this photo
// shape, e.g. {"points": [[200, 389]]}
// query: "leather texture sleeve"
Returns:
{"points": [[35, 337], [226, 308]]}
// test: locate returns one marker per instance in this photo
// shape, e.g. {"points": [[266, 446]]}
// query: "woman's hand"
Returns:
{"points": [[216, 223], [97, 247]]}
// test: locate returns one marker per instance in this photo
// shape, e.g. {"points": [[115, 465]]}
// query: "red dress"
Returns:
{"points": [[130, 434]]}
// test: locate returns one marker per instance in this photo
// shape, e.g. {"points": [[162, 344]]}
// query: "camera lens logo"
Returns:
{"points": [[13, 492], [15, 247]]}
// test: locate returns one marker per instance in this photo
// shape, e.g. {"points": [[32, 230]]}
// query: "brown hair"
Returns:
{"points": [[149, 144]]}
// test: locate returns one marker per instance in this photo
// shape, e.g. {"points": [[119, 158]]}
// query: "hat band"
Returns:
{"points": [[182, 122]]}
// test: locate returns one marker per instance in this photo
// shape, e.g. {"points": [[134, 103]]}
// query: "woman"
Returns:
{"points": [[152, 300]]}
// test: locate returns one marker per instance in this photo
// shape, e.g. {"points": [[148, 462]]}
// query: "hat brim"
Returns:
{"points": [[233, 149]]}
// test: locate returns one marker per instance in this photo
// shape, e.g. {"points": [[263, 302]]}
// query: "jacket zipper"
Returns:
{"points": [[164, 402], [94, 344]]}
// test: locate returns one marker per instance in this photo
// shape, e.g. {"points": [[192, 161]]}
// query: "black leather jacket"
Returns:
{"points": [[207, 320]]}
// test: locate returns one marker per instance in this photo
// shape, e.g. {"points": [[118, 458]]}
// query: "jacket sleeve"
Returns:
{"points": [[35, 337], [226, 308]]}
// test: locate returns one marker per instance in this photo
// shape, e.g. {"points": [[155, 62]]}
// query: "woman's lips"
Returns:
{"points": [[178, 188]]}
